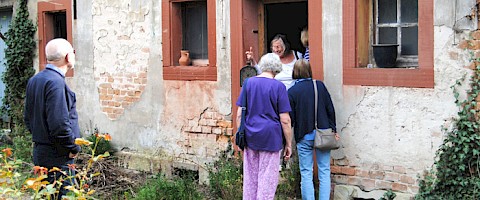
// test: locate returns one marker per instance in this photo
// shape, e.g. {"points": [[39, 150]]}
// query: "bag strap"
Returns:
{"points": [[244, 104], [296, 55], [316, 100]]}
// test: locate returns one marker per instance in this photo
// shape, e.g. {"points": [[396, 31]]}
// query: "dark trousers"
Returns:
{"points": [[49, 156]]}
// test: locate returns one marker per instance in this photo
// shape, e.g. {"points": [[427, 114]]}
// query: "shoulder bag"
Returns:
{"points": [[240, 139], [324, 138]]}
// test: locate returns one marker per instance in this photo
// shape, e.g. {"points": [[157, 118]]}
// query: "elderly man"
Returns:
{"points": [[50, 111]]}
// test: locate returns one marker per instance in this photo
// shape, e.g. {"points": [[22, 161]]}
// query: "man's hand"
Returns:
{"points": [[71, 155]]}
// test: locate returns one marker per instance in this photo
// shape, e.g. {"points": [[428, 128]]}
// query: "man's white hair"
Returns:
{"points": [[270, 62], [57, 49]]}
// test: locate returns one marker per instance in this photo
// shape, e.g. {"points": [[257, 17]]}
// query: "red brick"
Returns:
{"points": [[105, 85], [229, 131], [335, 169], [348, 171], [361, 173], [112, 116], [353, 180], [340, 179], [399, 187], [475, 35], [206, 129], [389, 176], [224, 124], [399, 169], [376, 175], [383, 185], [463, 44], [367, 184], [407, 179]]}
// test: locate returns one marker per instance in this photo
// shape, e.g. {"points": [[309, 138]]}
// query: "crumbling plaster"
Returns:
{"points": [[393, 126]]}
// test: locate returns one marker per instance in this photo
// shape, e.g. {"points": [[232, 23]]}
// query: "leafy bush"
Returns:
{"points": [[456, 172], [289, 184], [161, 188], [226, 177], [102, 145]]}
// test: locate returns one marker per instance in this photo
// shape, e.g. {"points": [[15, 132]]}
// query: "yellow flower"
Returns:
{"points": [[105, 136], [81, 141], [54, 169]]}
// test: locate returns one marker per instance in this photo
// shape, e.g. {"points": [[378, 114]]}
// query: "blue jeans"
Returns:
{"points": [[305, 156]]}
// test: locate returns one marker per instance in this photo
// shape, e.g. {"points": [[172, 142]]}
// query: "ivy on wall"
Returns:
{"points": [[19, 56], [456, 173]]}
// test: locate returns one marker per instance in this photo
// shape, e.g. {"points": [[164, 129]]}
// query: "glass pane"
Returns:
{"points": [[387, 36], [387, 11], [194, 29], [409, 11], [409, 41]]}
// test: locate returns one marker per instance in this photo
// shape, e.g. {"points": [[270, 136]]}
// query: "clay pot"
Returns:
{"points": [[184, 58]]}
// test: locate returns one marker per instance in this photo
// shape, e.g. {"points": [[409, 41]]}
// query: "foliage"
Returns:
{"points": [[456, 172], [19, 60], [289, 186], [389, 195], [80, 189], [102, 145], [226, 176], [22, 143], [161, 188]]}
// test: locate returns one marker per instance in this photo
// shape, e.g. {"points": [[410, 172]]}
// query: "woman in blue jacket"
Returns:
{"points": [[302, 102]]}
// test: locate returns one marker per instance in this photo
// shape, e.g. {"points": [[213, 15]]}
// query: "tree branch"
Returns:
{"points": [[3, 37]]}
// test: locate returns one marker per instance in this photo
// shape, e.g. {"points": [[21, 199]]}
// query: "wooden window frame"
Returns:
{"points": [[172, 44], [421, 77], [45, 34]]}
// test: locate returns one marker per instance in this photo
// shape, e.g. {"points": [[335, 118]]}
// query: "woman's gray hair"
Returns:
{"points": [[270, 62]]}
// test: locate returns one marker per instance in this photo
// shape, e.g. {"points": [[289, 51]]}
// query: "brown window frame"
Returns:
{"points": [[172, 44], [45, 34], [421, 77]]}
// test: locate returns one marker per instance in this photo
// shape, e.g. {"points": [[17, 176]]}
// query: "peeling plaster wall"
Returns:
{"points": [[384, 129], [120, 87]]}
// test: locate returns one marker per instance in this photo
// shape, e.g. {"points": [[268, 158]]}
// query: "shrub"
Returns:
{"points": [[226, 176], [289, 184], [161, 188]]}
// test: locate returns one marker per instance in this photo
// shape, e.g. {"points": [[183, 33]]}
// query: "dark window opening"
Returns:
{"points": [[194, 29], [59, 24], [286, 18]]}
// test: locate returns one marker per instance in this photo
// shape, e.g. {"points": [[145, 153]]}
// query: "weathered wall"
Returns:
{"points": [[120, 89], [390, 134]]}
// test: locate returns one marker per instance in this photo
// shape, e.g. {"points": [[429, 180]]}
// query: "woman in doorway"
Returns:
{"points": [[280, 46], [266, 120], [302, 101]]}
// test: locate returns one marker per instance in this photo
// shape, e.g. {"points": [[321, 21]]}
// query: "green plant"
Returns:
{"points": [[456, 171], [226, 176], [162, 188], [388, 195], [289, 184], [19, 56], [102, 145]]}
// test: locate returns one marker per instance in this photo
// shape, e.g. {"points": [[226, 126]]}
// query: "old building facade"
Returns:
{"points": [[164, 116]]}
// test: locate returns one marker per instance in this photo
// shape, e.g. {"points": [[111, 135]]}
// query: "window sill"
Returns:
{"points": [[190, 73], [397, 77]]}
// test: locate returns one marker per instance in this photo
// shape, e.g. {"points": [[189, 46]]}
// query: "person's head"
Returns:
{"points": [[304, 36], [301, 69], [60, 52], [280, 45], [270, 62]]}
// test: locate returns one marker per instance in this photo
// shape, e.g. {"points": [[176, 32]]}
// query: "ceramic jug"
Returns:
{"points": [[184, 58]]}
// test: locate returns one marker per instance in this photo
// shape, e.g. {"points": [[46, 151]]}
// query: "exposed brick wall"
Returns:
{"points": [[374, 177], [118, 91], [210, 122]]}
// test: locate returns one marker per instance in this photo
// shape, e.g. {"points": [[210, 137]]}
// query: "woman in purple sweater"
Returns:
{"points": [[267, 118]]}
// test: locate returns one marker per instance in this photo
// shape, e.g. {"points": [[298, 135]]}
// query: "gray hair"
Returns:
{"points": [[57, 49], [270, 62]]}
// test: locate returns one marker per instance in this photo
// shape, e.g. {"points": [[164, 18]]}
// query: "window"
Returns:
{"points": [[396, 22], [189, 25], [406, 22], [54, 21]]}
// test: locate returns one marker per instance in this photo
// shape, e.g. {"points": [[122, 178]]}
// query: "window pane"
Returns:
{"points": [[387, 35], [410, 41], [194, 29], [409, 11], [387, 11]]}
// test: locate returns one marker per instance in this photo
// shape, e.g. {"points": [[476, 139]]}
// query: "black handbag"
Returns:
{"points": [[240, 139]]}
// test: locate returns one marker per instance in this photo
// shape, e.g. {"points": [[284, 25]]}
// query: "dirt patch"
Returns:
{"points": [[114, 181]]}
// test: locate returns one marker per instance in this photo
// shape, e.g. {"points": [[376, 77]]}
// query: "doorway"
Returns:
{"points": [[287, 18], [5, 19]]}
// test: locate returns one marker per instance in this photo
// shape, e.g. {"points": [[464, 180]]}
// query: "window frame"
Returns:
{"points": [[402, 60], [421, 77], [172, 44]]}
